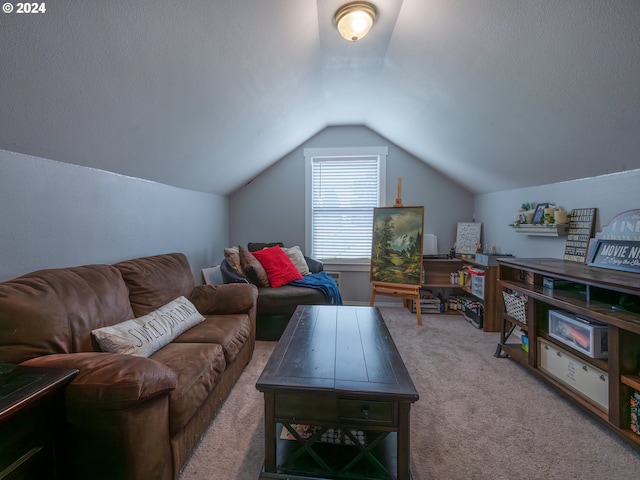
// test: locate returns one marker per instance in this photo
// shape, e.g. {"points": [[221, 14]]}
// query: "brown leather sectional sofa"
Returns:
{"points": [[129, 417]]}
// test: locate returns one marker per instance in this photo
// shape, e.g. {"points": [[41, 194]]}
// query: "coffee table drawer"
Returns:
{"points": [[366, 411], [313, 408], [306, 407]]}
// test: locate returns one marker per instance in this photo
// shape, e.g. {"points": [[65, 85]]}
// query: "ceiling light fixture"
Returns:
{"points": [[355, 19]]}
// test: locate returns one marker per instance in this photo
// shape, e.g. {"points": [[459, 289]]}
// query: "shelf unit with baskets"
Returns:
{"points": [[603, 381]]}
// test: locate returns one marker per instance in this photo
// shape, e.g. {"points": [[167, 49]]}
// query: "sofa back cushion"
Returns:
{"points": [[54, 311], [157, 280]]}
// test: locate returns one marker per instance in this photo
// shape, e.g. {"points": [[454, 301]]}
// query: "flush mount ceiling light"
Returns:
{"points": [[354, 20]]}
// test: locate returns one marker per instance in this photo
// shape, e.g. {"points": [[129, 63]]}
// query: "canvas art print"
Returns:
{"points": [[396, 255]]}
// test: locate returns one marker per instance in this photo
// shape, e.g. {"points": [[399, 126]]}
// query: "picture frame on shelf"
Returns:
{"points": [[468, 237], [539, 214]]}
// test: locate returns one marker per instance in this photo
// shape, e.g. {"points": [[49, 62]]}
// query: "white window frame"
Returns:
{"points": [[337, 153]]}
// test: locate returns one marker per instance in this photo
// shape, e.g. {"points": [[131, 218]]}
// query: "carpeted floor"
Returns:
{"points": [[478, 417]]}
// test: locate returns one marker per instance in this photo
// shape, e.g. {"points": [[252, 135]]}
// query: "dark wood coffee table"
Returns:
{"points": [[337, 398]]}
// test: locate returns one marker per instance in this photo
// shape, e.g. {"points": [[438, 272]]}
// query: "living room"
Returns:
{"points": [[58, 215], [130, 131]]}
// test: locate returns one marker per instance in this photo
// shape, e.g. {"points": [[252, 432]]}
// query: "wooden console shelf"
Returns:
{"points": [[609, 297], [437, 273]]}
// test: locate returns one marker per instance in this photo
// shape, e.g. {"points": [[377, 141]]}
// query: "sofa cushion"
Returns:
{"points": [[53, 311], [253, 269], [284, 300], [144, 335], [278, 266], [155, 281], [198, 367], [297, 258], [230, 331]]}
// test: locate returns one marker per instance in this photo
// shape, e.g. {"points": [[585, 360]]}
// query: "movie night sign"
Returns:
{"points": [[617, 255], [618, 245]]}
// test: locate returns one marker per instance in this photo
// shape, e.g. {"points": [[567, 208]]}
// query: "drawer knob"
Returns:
{"points": [[365, 413]]}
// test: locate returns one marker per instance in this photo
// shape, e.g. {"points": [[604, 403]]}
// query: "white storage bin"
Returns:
{"points": [[586, 380], [583, 334], [477, 282]]}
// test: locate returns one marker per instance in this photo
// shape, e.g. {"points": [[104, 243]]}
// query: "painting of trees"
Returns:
{"points": [[396, 255]]}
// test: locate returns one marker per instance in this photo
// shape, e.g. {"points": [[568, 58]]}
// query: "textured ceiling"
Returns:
{"points": [[206, 94]]}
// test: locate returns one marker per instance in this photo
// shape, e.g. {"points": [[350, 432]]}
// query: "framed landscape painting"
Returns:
{"points": [[396, 255]]}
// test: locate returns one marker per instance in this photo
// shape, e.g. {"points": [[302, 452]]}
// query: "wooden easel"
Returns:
{"points": [[406, 292], [399, 197]]}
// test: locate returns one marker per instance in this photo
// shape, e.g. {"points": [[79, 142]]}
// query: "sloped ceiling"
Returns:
{"points": [[206, 94]]}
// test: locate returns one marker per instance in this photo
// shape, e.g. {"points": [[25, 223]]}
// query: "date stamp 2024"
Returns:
{"points": [[32, 7]]}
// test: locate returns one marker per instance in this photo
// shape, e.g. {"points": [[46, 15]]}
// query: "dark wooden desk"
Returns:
{"points": [[337, 370], [31, 416]]}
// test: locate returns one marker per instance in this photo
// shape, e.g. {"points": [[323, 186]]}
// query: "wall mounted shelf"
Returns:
{"points": [[542, 230]]}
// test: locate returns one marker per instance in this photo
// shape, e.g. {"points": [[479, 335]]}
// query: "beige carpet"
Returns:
{"points": [[478, 417]]}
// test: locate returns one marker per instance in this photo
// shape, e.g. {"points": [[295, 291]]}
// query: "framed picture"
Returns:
{"points": [[539, 213], [468, 237], [396, 255]]}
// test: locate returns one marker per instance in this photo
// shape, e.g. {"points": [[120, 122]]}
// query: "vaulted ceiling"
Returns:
{"points": [[206, 94]]}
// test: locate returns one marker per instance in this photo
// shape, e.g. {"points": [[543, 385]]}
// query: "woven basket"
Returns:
{"points": [[516, 306]]}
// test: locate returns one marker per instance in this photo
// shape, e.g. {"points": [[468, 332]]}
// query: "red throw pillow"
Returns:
{"points": [[279, 267]]}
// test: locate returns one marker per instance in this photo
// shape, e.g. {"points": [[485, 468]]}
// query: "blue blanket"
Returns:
{"points": [[321, 281]]}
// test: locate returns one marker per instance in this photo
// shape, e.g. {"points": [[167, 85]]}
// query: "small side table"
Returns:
{"points": [[31, 420]]}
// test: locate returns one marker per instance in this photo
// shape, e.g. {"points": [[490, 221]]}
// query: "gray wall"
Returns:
{"points": [[610, 194], [56, 215], [272, 206]]}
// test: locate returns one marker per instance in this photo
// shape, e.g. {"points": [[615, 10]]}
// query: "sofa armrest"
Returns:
{"points": [[224, 299], [110, 381], [314, 265], [117, 411]]}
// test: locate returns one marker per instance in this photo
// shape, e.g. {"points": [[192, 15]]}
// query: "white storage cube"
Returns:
{"points": [[581, 377]]}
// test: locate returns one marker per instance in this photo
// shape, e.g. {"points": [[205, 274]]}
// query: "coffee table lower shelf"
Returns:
{"points": [[341, 461]]}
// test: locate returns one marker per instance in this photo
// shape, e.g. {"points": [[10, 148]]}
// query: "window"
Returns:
{"points": [[343, 187]]}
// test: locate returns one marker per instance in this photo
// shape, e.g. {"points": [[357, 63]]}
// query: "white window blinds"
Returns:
{"points": [[344, 192]]}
